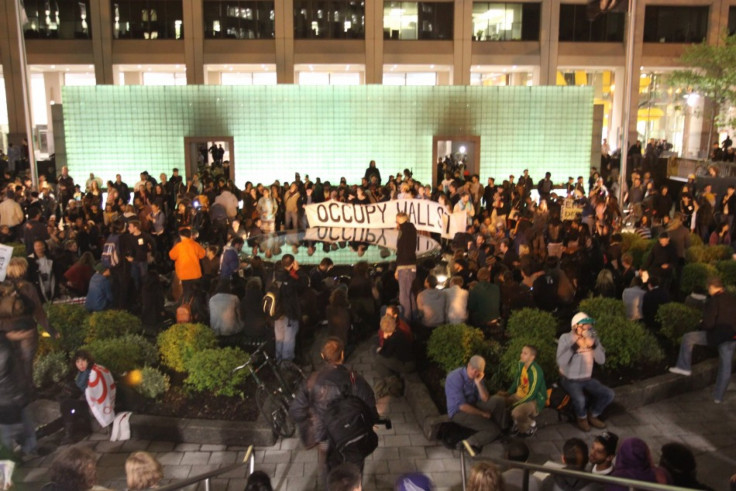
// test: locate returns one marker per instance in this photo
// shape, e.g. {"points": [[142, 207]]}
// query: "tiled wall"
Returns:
{"points": [[327, 131]]}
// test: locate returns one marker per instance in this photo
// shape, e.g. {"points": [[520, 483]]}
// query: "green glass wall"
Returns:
{"points": [[327, 131]]}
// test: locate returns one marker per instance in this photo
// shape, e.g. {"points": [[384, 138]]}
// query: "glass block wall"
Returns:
{"points": [[328, 131]]}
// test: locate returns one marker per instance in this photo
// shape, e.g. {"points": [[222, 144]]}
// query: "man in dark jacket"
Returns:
{"points": [[310, 409], [406, 263], [662, 259], [15, 420], [718, 328]]}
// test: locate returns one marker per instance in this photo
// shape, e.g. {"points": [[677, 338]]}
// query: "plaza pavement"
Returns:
{"points": [[693, 419]]}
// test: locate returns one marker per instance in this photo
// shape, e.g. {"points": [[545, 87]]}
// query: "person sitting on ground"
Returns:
{"points": [[142, 471], [679, 462], [470, 405], [577, 350], [603, 453], [717, 329], [485, 476], [258, 481], [74, 469], [634, 461], [527, 394], [338, 315], [99, 296], [484, 301], [456, 301], [393, 359], [513, 478], [393, 312], [575, 458], [225, 310], [345, 477], [431, 303]]}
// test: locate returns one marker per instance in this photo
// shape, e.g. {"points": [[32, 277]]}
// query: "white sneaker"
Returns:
{"points": [[680, 371]]}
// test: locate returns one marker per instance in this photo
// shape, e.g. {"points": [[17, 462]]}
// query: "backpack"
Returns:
{"points": [[271, 303], [12, 302], [349, 426], [559, 400], [111, 252]]}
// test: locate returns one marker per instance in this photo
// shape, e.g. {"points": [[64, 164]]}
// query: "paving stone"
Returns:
{"points": [[236, 484], [176, 472], [196, 458], [396, 441], [112, 460], [170, 458], [412, 453], [135, 445], [212, 448], [277, 456], [108, 446], [187, 447], [161, 446], [198, 470], [222, 458]]}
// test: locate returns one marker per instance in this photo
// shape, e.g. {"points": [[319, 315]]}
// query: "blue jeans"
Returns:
{"points": [[406, 279], [24, 433], [138, 271], [285, 330], [601, 396], [725, 359]]}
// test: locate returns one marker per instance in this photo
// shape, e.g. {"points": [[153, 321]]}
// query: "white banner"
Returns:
{"points": [[6, 252], [100, 395], [380, 237], [426, 215]]}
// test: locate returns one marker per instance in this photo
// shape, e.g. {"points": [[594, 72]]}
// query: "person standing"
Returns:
{"points": [[717, 329], [406, 263], [577, 351], [186, 256], [311, 407]]}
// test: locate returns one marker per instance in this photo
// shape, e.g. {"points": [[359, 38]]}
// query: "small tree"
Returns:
{"points": [[712, 74]]}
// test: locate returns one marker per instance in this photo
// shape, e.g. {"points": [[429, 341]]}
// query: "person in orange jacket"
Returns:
{"points": [[186, 256]]}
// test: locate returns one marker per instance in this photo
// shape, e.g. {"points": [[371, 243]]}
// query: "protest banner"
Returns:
{"points": [[379, 237]]}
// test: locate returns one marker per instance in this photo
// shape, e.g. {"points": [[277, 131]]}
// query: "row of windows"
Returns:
{"points": [[345, 19]]}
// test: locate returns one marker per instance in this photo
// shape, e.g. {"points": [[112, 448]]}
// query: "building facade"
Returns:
{"points": [[47, 44]]}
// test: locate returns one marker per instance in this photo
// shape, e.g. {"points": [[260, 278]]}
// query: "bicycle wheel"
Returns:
{"points": [[292, 376], [274, 408]]}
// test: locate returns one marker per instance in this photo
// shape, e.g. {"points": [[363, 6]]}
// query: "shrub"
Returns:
{"points": [[51, 368], [676, 319], [637, 246], [153, 383], [727, 271], [177, 344], [71, 322], [122, 354], [452, 345], [601, 307], [694, 277], [111, 324], [531, 323], [695, 240], [627, 343], [211, 370], [708, 254]]}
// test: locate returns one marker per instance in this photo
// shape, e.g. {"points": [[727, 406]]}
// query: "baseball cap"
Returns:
{"points": [[581, 318]]}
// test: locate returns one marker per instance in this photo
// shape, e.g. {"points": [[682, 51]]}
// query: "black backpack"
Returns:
{"points": [[13, 303], [271, 302], [349, 425], [559, 400]]}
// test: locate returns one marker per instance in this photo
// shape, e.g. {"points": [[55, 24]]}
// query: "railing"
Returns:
{"points": [[631, 484], [249, 459]]}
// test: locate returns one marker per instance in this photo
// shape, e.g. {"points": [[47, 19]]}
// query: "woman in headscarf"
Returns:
{"points": [[634, 461]]}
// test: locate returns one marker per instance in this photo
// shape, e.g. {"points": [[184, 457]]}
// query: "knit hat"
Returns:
{"points": [[413, 481]]}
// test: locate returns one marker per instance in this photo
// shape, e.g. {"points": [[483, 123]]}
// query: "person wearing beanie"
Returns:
{"points": [[577, 351]]}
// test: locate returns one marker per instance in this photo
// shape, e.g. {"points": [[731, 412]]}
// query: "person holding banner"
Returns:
{"points": [[98, 387], [406, 263]]}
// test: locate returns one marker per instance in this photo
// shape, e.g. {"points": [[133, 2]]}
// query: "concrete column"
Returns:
{"points": [[463, 41], [100, 19], [374, 42], [284, 32], [17, 82], [637, 57], [549, 35], [193, 25], [614, 131], [53, 82]]}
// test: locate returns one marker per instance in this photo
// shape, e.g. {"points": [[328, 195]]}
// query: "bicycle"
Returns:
{"points": [[273, 402]]}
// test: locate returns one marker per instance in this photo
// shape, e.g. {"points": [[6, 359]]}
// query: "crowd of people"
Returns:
{"points": [[205, 243]]}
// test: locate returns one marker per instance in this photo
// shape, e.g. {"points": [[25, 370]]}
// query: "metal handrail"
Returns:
{"points": [[249, 458], [631, 484]]}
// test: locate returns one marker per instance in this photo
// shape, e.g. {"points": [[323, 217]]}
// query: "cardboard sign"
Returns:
{"points": [[6, 252]]}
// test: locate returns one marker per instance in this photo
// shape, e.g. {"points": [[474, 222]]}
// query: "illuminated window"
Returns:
{"points": [[418, 20], [328, 78], [506, 21], [147, 19], [575, 25], [72, 79], [410, 78], [496, 79], [164, 78], [239, 19], [338, 19], [56, 19]]}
